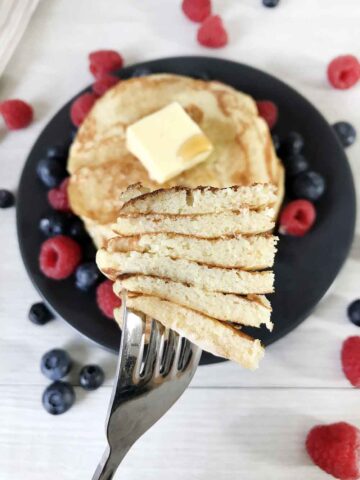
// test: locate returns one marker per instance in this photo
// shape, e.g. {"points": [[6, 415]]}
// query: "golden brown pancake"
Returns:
{"points": [[101, 167]]}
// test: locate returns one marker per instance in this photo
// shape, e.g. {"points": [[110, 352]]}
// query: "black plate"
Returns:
{"points": [[305, 267]]}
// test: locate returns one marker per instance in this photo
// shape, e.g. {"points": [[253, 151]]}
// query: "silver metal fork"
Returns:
{"points": [[150, 378]]}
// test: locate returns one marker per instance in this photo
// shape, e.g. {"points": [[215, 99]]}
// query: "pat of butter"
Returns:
{"points": [[167, 142]]}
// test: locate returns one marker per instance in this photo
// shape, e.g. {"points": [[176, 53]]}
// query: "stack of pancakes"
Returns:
{"points": [[196, 260], [101, 167]]}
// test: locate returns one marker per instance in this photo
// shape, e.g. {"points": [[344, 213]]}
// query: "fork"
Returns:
{"points": [[149, 380]]}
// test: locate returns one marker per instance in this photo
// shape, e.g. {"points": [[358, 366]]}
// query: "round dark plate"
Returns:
{"points": [[305, 267]]}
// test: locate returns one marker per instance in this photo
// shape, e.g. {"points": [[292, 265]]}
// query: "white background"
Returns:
{"points": [[230, 423]]}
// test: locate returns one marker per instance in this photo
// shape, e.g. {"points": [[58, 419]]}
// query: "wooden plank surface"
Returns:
{"points": [[230, 423], [208, 434]]}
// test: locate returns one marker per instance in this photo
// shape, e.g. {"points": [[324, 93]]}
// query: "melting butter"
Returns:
{"points": [[193, 146], [168, 142]]}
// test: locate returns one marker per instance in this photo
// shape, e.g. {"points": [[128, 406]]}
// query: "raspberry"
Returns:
{"points": [[350, 360], [212, 33], [197, 10], [17, 113], [59, 257], [80, 107], [105, 61], [106, 299], [103, 84], [335, 448], [268, 111], [297, 218], [58, 197], [343, 72]]}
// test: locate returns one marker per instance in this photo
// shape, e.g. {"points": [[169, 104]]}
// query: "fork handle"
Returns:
{"points": [[109, 464]]}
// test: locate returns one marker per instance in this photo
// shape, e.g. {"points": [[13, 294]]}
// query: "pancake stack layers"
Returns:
{"points": [[101, 167], [197, 260]]}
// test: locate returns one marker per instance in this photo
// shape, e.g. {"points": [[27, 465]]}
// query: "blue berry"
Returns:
{"points": [[345, 132], [76, 228], [40, 314], [57, 151], [53, 223], [296, 164], [55, 364], [58, 398], [51, 172], [87, 275], [353, 312], [292, 144], [276, 141], [91, 377], [309, 185], [73, 134], [7, 199], [141, 72], [270, 3]]}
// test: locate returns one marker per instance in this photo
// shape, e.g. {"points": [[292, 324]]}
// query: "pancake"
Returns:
{"points": [[218, 338], [180, 265], [101, 167], [184, 201], [213, 279], [209, 225], [251, 252], [252, 311]]}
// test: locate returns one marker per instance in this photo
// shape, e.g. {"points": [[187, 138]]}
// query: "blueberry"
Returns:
{"points": [[87, 275], [276, 141], [353, 312], [55, 364], [292, 144], [53, 223], [270, 3], [76, 228], [91, 377], [7, 199], [73, 134], [58, 398], [57, 151], [296, 164], [346, 133], [141, 72], [40, 314], [309, 185], [51, 172]]}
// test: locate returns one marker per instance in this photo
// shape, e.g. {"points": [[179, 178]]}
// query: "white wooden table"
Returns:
{"points": [[230, 423]]}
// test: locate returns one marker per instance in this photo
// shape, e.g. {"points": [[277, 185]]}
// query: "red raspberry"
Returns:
{"points": [[59, 257], [197, 10], [268, 111], [58, 197], [335, 448], [105, 61], [80, 107], [106, 299], [17, 113], [104, 83], [344, 71], [350, 360], [297, 218], [212, 33]]}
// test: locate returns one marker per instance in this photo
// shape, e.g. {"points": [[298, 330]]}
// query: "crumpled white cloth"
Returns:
{"points": [[14, 18]]}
